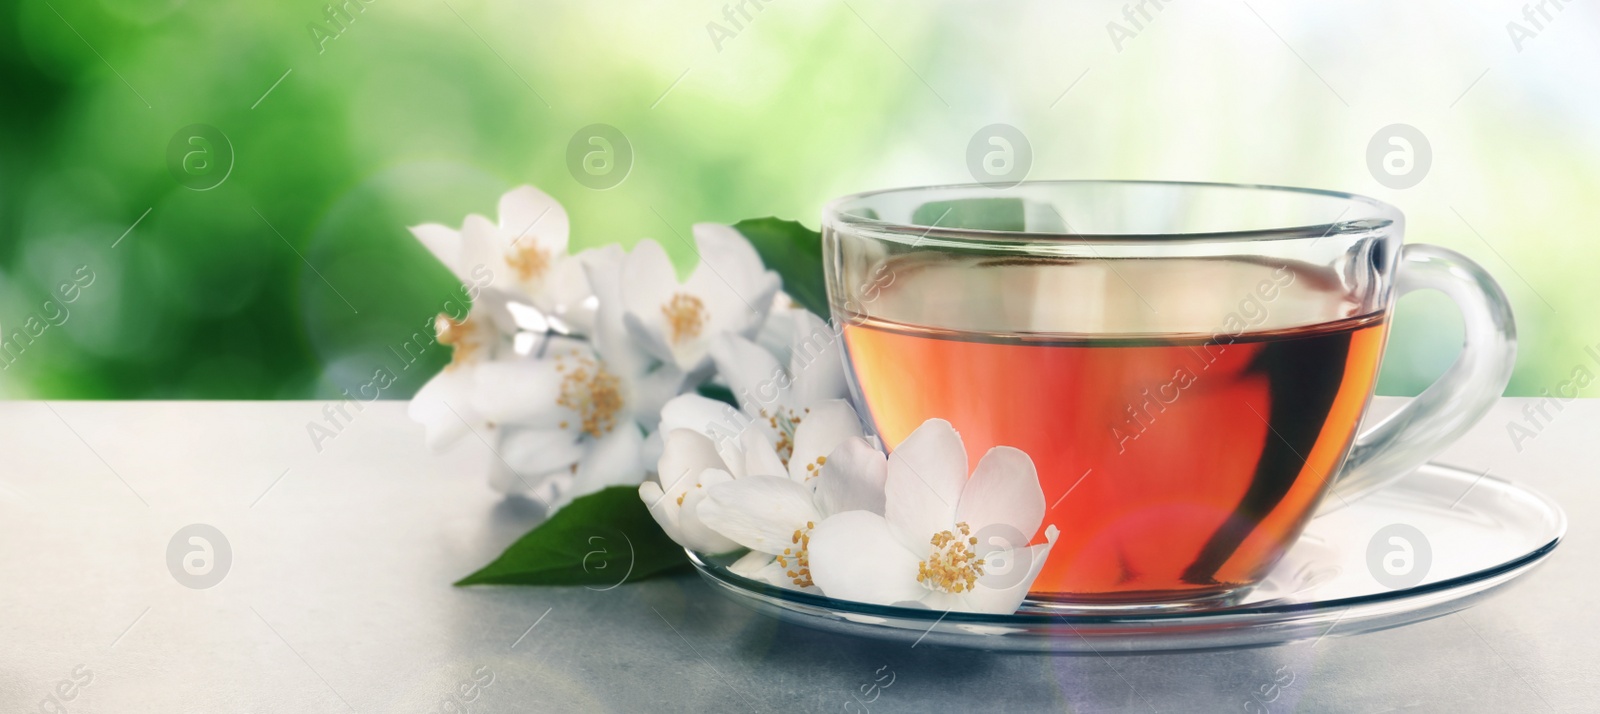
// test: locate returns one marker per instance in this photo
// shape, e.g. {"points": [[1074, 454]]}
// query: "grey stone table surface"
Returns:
{"points": [[336, 594]]}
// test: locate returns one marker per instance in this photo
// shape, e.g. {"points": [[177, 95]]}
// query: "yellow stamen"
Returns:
{"points": [[800, 556], [953, 565], [800, 575], [784, 423], [686, 317], [459, 336], [528, 260], [591, 391]]}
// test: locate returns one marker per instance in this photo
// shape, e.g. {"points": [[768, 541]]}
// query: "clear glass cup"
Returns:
{"points": [[1187, 364]]}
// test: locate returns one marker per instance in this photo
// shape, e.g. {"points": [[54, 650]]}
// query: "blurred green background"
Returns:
{"points": [[292, 274]]}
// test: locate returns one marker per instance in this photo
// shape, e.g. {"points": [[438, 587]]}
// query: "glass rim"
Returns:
{"points": [[1381, 215]]}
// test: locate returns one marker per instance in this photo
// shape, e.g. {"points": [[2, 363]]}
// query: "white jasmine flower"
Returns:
{"points": [[777, 396], [566, 416], [578, 412], [691, 464], [523, 257], [778, 330], [935, 543], [729, 292], [444, 405], [795, 417], [774, 399], [774, 516]]}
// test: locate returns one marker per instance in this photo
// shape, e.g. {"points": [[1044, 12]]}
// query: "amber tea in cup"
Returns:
{"points": [[1188, 377]]}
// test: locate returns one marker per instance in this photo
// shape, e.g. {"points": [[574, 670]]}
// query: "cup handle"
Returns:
{"points": [[1462, 396]]}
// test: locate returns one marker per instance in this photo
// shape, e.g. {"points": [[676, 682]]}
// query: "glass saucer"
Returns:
{"points": [[1465, 537]]}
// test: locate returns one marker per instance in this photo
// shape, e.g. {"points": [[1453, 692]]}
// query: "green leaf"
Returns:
{"points": [[990, 214], [605, 538], [794, 252], [719, 393]]}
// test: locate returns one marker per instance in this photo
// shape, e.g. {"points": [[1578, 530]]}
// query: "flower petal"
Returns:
{"points": [[717, 421], [697, 535], [1005, 584], [650, 453], [852, 480], [649, 393], [481, 249], [648, 336], [567, 296], [822, 429], [684, 456], [663, 509], [522, 391], [611, 460], [853, 556], [737, 289], [816, 359], [760, 457], [648, 283], [701, 414], [778, 575], [1003, 496], [603, 266], [444, 406], [752, 373], [493, 314], [603, 271], [729, 309], [542, 487], [771, 572], [751, 565], [764, 513], [444, 243], [727, 254], [526, 213], [535, 452], [777, 331], [926, 474]]}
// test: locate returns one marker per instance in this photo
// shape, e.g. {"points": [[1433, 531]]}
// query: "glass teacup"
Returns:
{"points": [[1187, 364]]}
